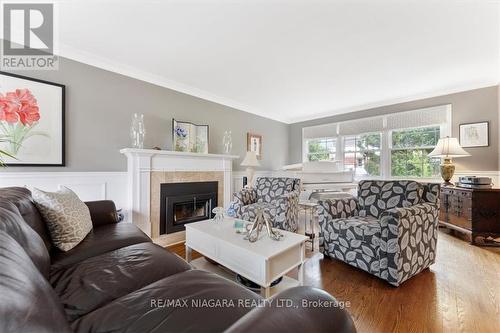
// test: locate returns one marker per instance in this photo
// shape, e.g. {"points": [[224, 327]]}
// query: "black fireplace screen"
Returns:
{"points": [[190, 210], [183, 203]]}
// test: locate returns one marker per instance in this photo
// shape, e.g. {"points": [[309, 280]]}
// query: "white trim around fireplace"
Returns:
{"points": [[141, 162]]}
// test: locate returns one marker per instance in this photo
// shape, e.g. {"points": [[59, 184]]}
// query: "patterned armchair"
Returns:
{"points": [[278, 197], [390, 230]]}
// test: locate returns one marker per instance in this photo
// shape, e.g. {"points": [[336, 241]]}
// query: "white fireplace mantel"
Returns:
{"points": [[141, 162]]}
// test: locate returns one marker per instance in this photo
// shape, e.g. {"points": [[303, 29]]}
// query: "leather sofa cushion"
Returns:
{"points": [[27, 301], [102, 212], [96, 281], [141, 311], [21, 198], [13, 224], [100, 240], [295, 317]]}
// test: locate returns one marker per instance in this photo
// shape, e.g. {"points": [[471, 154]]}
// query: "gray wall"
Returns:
{"points": [[469, 106], [100, 104]]}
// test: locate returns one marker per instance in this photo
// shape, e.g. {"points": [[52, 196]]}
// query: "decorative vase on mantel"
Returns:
{"points": [[227, 142], [137, 131]]}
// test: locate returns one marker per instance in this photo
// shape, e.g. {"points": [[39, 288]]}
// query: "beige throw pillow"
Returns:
{"points": [[67, 217]]}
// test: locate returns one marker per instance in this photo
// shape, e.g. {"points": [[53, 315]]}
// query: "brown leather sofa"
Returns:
{"points": [[117, 280]]}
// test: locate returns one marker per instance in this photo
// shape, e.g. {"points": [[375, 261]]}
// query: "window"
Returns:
{"points": [[321, 149], [385, 146], [362, 154], [409, 150]]}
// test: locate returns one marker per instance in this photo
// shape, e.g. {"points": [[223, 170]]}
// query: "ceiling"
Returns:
{"points": [[291, 60]]}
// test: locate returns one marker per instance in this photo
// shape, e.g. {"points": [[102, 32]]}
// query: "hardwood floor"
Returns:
{"points": [[459, 293], [180, 249]]}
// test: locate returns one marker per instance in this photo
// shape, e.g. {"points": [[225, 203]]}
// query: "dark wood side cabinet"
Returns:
{"points": [[475, 212]]}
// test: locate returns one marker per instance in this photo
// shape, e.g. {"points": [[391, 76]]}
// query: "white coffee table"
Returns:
{"points": [[261, 262]]}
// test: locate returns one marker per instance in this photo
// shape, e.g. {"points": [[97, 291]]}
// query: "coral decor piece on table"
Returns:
{"points": [[31, 121]]}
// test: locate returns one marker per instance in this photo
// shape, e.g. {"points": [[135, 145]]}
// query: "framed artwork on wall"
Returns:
{"points": [[31, 121], [474, 134], [189, 137], [254, 143]]}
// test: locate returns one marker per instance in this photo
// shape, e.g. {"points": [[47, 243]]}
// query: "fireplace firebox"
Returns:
{"points": [[183, 203]]}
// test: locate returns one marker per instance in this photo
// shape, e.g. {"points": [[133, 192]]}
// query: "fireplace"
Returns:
{"points": [[183, 203]]}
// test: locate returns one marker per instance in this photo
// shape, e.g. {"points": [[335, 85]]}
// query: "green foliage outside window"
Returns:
{"points": [[321, 150], [369, 147], [409, 152], [413, 163], [368, 153]]}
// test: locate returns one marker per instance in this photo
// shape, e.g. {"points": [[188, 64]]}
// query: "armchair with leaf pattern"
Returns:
{"points": [[277, 196], [389, 230]]}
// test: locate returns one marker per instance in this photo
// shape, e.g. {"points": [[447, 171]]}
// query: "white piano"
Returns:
{"points": [[322, 179]]}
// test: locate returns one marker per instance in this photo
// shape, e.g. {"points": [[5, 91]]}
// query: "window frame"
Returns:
{"points": [[442, 127], [305, 157], [344, 137]]}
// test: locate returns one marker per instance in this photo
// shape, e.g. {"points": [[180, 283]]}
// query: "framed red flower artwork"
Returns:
{"points": [[31, 121]]}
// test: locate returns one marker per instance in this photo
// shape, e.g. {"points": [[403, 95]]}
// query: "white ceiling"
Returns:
{"points": [[291, 60]]}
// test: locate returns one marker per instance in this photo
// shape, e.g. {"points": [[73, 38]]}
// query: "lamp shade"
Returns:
{"points": [[448, 147], [250, 160]]}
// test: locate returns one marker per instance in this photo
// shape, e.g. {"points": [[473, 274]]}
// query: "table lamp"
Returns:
{"points": [[250, 161], [447, 148]]}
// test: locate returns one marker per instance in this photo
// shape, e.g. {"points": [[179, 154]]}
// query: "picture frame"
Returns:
{"points": [[32, 121], [254, 143], [190, 137], [474, 134]]}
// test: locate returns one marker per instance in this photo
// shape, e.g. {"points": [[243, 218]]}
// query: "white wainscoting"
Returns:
{"points": [[238, 178], [88, 186], [113, 185]]}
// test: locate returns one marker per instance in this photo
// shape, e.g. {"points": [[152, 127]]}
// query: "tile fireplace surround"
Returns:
{"points": [[148, 168]]}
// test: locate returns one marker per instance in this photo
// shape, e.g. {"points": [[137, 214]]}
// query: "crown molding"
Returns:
{"points": [[397, 100], [135, 73]]}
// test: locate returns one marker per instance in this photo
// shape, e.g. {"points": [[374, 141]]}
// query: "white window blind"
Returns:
{"points": [[418, 118], [361, 126], [320, 131]]}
